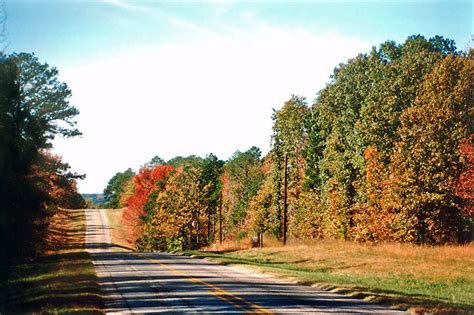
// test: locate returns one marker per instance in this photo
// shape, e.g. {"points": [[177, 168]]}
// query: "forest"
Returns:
{"points": [[384, 153], [34, 182]]}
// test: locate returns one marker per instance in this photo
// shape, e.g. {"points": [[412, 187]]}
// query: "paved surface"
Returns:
{"points": [[165, 283]]}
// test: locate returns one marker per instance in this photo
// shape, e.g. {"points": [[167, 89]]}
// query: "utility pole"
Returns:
{"points": [[285, 197], [220, 219], [209, 224]]}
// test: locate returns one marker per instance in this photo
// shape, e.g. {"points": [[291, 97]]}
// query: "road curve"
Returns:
{"points": [[165, 283]]}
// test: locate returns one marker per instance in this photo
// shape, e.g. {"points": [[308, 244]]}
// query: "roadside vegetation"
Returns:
{"points": [[34, 183], [119, 232], [385, 153], [62, 280], [43, 265], [420, 278], [377, 169]]}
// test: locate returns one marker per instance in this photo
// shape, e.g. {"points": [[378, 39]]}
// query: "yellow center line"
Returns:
{"points": [[218, 292], [220, 297]]}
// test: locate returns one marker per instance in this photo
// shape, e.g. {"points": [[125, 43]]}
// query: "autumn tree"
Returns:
{"points": [[263, 215], [178, 213], [361, 108], [465, 184], [53, 177], [146, 185], [34, 110], [382, 154], [427, 161], [241, 181]]}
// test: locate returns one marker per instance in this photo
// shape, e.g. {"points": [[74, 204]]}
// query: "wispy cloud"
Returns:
{"points": [[125, 5], [153, 10], [184, 23]]}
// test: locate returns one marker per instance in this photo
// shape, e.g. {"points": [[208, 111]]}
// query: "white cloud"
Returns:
{"points": [[214, 93], [123, 5]]}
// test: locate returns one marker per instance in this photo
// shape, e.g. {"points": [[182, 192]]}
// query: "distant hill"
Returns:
{"points": [[95, 199]]}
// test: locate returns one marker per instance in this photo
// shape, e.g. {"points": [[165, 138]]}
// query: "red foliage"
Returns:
{"points": [[145, 182]]}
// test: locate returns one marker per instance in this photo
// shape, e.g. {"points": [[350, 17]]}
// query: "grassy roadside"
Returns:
{"points": [[118, 231], [63, 280], [435, 279]]}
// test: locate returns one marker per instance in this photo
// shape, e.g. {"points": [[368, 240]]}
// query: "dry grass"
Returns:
{"points": [[446, 263], [63, 280], [396, 273], [67, 231], [119, 235]]}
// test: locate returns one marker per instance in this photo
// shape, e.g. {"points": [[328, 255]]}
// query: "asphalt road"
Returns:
{"points": [[166, 283]]}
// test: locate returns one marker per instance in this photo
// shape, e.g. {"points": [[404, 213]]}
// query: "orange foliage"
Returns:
{"points": [[146, 181], [49, 175], [465, 184], [372, 219]]}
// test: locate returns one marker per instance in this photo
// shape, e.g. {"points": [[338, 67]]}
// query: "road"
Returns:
{"points": [[167, 283]]}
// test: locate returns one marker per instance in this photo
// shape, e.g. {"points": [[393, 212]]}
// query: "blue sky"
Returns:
{"points": [[174, 78]]}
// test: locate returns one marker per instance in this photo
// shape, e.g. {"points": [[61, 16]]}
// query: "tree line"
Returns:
{"points": [[384, 153], [34, 109]]}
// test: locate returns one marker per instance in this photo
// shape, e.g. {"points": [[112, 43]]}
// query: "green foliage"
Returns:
{"points": [[242, 179], [262, 215], [46, 99], [289, 139], [34, 108], [155, 161], [177, 216], [361, 108], [382, 154], [179, 161], [115, 188], [181, 212], [421, 190], [94, 200], [210, 184]]}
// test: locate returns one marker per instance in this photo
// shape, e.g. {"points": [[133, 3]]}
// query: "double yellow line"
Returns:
{"points": [[224, 295]]}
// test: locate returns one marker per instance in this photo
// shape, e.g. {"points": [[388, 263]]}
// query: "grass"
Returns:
{"points": [[63, 280], [119, 236], [405, 276]]}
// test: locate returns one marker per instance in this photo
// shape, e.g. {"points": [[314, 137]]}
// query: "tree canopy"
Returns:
{"points": [[34, 108], [384, 153]]}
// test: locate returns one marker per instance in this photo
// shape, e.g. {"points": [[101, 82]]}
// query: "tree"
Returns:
{"points": [[189, 160], [46, 99], [177, 213], [115, 188], [334, 154], [146, 185], [289, 138], [465, 184], [263, 215], [34, 109], [427, 162], [52, 176], [155, 161], [241, 181], [361, 108], [212, 169]]}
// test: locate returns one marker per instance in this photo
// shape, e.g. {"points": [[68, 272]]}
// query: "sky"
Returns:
{"points": [[175, 78]]}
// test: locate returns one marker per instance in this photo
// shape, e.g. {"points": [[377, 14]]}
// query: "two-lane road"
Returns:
{"points": [[159, 282]]}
